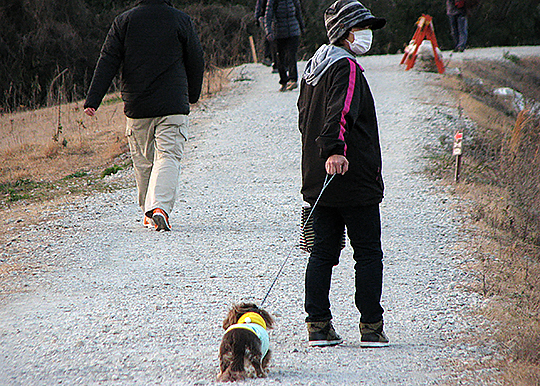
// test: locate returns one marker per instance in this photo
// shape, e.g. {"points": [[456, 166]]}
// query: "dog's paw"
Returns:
{"points": [[231, 376]]}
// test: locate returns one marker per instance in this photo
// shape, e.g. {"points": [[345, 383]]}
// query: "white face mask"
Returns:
{"points": [[362, 41]]}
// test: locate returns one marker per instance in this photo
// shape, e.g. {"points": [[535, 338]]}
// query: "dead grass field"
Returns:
{"points": [[501, 180], [29, 152], [38, 171]]}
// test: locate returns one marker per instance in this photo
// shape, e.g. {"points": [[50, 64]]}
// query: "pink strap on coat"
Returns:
{"points": [[348, 101]]}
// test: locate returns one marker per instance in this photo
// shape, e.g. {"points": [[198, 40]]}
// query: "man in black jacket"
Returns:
{"points": [[340, 137], [161, 61]]}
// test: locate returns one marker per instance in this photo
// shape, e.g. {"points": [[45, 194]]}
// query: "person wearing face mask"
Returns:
{"points": [[338, 124]]}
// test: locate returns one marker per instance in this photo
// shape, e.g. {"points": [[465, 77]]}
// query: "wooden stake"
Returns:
{"points": [[253, 51], [457, 151], [458, 168]]}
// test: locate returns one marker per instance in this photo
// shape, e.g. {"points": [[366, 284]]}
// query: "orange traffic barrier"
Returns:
{"points": [[424, 30]]}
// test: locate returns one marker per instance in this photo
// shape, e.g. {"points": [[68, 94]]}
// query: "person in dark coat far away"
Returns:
{"points": [[340, 137], [270, 54], [284, 24], [159, 54]]}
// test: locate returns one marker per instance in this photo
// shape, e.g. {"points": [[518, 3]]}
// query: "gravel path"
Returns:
{"points": [[110, 302]]}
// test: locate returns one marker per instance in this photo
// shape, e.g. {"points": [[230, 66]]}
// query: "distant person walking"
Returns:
{"points": [[457, 16], [161, 61], [284, 24], [340, 137], [269, 46]]}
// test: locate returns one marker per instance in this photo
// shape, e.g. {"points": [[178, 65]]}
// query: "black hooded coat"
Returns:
{"points": [[160, 58]]}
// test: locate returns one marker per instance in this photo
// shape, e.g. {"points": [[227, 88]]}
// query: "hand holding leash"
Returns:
{"points": [[337, 164]]}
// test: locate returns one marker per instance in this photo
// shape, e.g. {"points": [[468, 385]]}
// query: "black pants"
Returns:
{"points": [[270, 52], [286, 59], [364, 231]]}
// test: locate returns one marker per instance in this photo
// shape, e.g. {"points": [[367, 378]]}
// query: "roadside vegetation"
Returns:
{"points": [[500, 181]]}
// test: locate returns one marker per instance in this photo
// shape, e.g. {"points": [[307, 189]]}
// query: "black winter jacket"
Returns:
{"points": [[160, 57], [337, 116], [283, 18]]}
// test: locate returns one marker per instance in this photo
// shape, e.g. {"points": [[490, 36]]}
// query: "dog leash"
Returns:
{"points": [[327, 181]]}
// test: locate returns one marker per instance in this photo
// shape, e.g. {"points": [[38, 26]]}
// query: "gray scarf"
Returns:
{"points": [[325, 56]]}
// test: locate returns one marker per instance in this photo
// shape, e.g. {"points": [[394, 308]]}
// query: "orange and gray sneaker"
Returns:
{"points": [[148, 222], [161, 220], [291, 85]]}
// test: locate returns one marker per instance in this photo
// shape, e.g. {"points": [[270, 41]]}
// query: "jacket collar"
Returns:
{"points": [[322, 60]]}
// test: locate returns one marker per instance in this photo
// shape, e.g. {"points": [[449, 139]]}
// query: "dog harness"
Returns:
{"points": [[254, 322]]}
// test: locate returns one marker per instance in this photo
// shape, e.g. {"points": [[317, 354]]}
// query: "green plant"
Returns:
{"points": [[78, 174], [112, 101], [18, 190], [111, 170], [17, 197], [511, 57]]}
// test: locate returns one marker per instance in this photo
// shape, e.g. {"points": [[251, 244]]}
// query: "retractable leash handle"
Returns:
{"points": [[327, 181], [325, 185]]}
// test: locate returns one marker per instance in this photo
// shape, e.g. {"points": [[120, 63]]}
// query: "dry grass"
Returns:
{"points": [[501, 180], [29, 151], [38, 171], [508, 276]]}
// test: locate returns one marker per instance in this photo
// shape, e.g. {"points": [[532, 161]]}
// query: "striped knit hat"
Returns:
{"points": [[343, 15]]}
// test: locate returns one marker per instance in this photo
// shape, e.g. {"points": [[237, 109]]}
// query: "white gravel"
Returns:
{"points": [[110, 302]]}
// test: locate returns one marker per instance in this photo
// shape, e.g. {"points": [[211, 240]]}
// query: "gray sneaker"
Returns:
{"points": [[291, 85], [372, 335], [323, 334]]}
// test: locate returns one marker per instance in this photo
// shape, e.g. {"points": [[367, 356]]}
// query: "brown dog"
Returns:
{"points": [[245, 342]]}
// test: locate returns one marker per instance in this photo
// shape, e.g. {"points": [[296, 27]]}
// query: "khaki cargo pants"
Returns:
{"points": [[157, 146]]}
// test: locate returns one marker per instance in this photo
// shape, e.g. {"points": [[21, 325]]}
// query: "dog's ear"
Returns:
{"points": [[267, 318], [252, 307], [232, 317]]}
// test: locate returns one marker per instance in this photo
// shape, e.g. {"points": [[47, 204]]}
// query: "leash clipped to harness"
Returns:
{"points": [[327, 181]]}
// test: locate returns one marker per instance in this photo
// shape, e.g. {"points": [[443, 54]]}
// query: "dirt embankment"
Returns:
{"points": [[500, 179]]}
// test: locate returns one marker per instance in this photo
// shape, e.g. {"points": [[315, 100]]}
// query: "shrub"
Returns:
{"points": [[111, 170], [224, 32]]}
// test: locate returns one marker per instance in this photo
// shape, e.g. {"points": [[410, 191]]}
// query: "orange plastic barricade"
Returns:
{"points": [[424, 30]]}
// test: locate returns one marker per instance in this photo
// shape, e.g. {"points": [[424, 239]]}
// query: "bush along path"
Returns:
{"points": [[110, 302]]}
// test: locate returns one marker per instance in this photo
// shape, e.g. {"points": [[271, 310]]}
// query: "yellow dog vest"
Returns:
{"points": [[254, 322]]}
